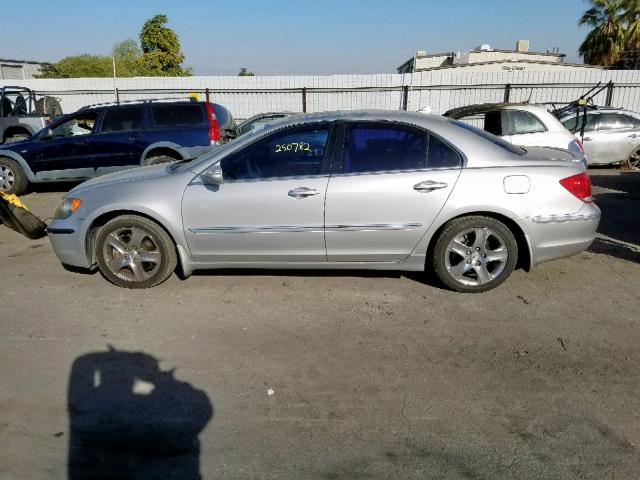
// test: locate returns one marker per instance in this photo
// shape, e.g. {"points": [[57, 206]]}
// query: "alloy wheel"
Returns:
{"points": [[633, 163], [476, 256], [7, 178], [131, 254]]}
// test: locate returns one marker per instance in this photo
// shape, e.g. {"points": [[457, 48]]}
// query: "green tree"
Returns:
{"points": [[161, 53], [79, 66], [128, 58], [245, 73], [615, 30]]}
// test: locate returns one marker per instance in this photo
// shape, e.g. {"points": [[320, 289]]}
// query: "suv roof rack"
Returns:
{"points": [[141, 100]]}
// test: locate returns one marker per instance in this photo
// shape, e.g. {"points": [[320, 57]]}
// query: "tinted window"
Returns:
{"points": [[521, 122], [441, 155], [613, 121], [495, 123], [295, 153], [122, 119], [375, 148], [177, 114], [491, 138]]}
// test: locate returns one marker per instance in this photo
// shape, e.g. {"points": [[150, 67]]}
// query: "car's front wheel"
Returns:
{"points": [[474, 254], [135, 252]]}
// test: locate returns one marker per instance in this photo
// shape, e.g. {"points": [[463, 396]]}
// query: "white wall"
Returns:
{"points": [[440, 89]]}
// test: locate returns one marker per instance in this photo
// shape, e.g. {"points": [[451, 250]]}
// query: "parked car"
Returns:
{"points": [[611, 135], [105, 138], [363, 189], [22, 114], [259, 121], [521, 124]]}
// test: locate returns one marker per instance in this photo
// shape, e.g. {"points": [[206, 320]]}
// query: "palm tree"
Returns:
{"points": [[607, 40], [631, 18]]}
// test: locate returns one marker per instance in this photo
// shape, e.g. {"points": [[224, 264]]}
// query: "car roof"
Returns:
{"points": [[595, 109], [468, 110]]}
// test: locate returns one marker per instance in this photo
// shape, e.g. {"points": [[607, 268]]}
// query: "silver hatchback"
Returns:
{"points": [[347, 190]]}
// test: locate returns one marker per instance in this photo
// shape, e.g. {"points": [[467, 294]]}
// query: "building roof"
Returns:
{"points": [[11, 60]]}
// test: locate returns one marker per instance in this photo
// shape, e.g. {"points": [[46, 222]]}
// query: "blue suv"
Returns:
{"points": [[105, 138]]}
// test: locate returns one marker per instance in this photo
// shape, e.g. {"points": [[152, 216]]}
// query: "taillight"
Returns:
{"points": [[214, 126], [47, 121], [578, 185]]}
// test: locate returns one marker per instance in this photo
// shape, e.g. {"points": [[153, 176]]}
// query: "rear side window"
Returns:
{"points": [[615, 121], [491, 138], [122, 119], [387, 148], [376, 148], [177, 114], [521, 123]]}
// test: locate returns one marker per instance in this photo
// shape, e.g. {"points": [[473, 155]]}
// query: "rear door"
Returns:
{"points": [[615, 136], [391, 183], [120, 140]]}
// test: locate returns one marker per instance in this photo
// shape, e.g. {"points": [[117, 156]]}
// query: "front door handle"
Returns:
{"points": [[634, 135], [302, 192], [587, 139], [428, 186], [134, 136]]}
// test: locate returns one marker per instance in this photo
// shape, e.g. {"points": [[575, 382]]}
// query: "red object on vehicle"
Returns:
{"points": [[578, 185], [580, 145], [214, 126]]}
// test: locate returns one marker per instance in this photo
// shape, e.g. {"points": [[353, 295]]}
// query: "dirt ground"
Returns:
{"points": [[311, 375]]}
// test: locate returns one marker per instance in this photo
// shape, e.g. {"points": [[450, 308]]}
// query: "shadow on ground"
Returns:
{"points": [[619, 227], [130, 420]]}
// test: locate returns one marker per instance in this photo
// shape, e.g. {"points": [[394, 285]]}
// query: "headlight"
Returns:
{"points": [[67, 208]]}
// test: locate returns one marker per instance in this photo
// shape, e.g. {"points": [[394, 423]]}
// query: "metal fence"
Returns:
{"points": [[436, 91]]}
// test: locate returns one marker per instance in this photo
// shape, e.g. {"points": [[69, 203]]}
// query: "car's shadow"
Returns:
{"points": [[619, 229], [131, 420]]}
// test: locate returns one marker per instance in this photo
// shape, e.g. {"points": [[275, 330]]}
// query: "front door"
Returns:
{"points": [[270, 207], [390, 186], [67, 153]]}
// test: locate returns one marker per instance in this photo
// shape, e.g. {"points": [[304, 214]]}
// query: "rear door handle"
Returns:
{"points": [[302, 192], [587, 139], [134, 136], [428, 186], [634, 135]]}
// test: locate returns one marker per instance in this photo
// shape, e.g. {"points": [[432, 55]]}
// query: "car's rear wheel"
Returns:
{"points": [[17, 137], [13, 180], [159, 159], [135, 252], [633, 162], [475, 254]]}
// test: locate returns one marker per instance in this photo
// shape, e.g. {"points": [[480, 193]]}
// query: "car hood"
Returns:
{"points": [[136, 174]]}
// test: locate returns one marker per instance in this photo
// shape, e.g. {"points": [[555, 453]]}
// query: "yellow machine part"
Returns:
{"points": [[13, 200]]}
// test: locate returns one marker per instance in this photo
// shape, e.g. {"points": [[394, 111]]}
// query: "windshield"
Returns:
{"points": [[492, 138]]}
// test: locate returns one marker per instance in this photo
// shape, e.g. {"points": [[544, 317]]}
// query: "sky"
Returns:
{"points": [[271, 37]]}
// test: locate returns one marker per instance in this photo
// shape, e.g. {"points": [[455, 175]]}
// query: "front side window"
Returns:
{"points": [[296, 152], [79, 125], [177, 114], [574, 124], [122, 119], [521, 123]]}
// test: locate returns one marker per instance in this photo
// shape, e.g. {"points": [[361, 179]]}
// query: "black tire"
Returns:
{"points": [[17, 137], [135, 252], [158, 160], [13, 180], [488, 253]]}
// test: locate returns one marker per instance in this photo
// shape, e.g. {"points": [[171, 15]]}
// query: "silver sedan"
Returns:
{"points": [[345, 190]]}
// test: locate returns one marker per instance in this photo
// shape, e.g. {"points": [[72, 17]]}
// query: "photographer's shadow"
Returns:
{"points": [[131, 420]]}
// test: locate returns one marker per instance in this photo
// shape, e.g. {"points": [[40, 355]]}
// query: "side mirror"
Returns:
{"points": [[46, 134], [213, 175]]}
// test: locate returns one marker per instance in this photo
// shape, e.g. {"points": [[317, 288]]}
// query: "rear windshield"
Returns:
{"points": [[492, 138], [177, 114]]}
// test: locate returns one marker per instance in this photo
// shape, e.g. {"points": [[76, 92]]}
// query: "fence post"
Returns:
{"points": [[304, 99], [117, 96], [609, 99], [507, 92], [206, 94], [405, 97]]}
